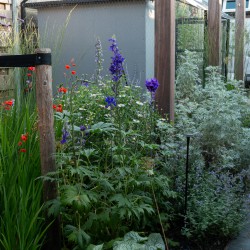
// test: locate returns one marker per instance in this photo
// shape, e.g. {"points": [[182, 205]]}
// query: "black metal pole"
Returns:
{"points": [[187, 166]]}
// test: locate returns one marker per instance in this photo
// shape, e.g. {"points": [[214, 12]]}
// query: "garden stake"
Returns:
{"points": [[186, 184]]}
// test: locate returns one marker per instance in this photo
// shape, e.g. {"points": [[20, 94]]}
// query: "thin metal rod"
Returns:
{"points": [[187, 166]]}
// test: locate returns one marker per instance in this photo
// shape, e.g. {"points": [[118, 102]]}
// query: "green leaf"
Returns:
{"points": [[54, 207], [102, 127], [134, 236], [75, 194], [95, 247], [77, 235], [128, 245], [155, 242]]}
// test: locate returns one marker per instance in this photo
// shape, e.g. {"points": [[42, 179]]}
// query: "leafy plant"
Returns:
{"points": [[106, 156]]}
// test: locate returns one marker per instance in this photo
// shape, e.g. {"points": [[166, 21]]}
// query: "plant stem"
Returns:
{"points": [[159, 216]]}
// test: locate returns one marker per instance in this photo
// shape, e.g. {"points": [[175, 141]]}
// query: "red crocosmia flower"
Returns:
{"points": [[31, 68], [67, 66], [59, 108], [9, 102], [23, 150], [62, 90], [24, 137], [19, 143], [29, 74], [73, 64], [73, 72]]}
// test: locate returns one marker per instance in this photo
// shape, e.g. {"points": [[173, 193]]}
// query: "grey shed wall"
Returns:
{"points": [[131, 23]]}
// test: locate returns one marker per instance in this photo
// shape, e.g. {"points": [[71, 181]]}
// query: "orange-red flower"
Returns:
{"points": [[8, 104], [67, 66], [31, 68], [73, 64], [23, 150], [19, 143], [29, 74], [63, 90], [73, 72], [58, 108], [24, 137]]}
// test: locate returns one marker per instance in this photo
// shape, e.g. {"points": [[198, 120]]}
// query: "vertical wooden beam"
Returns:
{"points": [[214, 32], [47, 143], [165, 55], [240, 15]]}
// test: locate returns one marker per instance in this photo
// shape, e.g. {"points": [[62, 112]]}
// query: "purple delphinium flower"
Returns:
{"points": [[116, 67], [110, 100], [152, 85], [82, 128], [65, 136], [85, 83], [2, 16]]}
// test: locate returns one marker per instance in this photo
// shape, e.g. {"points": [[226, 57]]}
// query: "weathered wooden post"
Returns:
{"points": [[165, 56], [214, 32], [47, 141], [240, 15]]}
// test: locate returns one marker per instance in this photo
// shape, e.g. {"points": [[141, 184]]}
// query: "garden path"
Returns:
{"points": [[242, 242]]}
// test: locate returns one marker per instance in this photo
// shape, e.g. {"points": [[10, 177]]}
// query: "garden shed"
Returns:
{"points": [[72, 26]]}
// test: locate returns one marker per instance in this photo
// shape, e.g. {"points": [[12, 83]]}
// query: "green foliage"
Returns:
{"points": [[22, 225], [214, 116], [106, 161], [133, 241]]}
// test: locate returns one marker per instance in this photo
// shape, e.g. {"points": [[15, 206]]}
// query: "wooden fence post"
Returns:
{"points": [[47, 143], [240, 13], [214, 30], [165, 55]]}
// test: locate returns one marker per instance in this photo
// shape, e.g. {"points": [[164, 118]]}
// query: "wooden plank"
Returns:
{"points": [[240, 15], [165, 56], [47, 143], [214, 32]]}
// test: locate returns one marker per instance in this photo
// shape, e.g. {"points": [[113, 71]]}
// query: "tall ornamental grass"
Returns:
{"points": [[21, 209], [22, 226]]}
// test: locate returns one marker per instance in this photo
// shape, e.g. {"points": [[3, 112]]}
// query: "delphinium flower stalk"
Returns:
{"points": [[98, 60], [152, 85], [116, 68]]}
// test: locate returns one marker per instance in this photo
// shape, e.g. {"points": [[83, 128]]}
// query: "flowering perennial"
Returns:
{"points": [[23, 139], [152, 85], [31, 68], [58, 108], [63, 90], [8, 104], [110, 100], [65, 136], [116, 67]]}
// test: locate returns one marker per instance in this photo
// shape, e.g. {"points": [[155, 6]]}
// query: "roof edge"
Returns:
{"points": [[47, 4]]}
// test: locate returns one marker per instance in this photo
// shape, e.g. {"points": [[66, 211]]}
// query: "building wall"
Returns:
{"points": [[150, 36], [76, 39]]}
